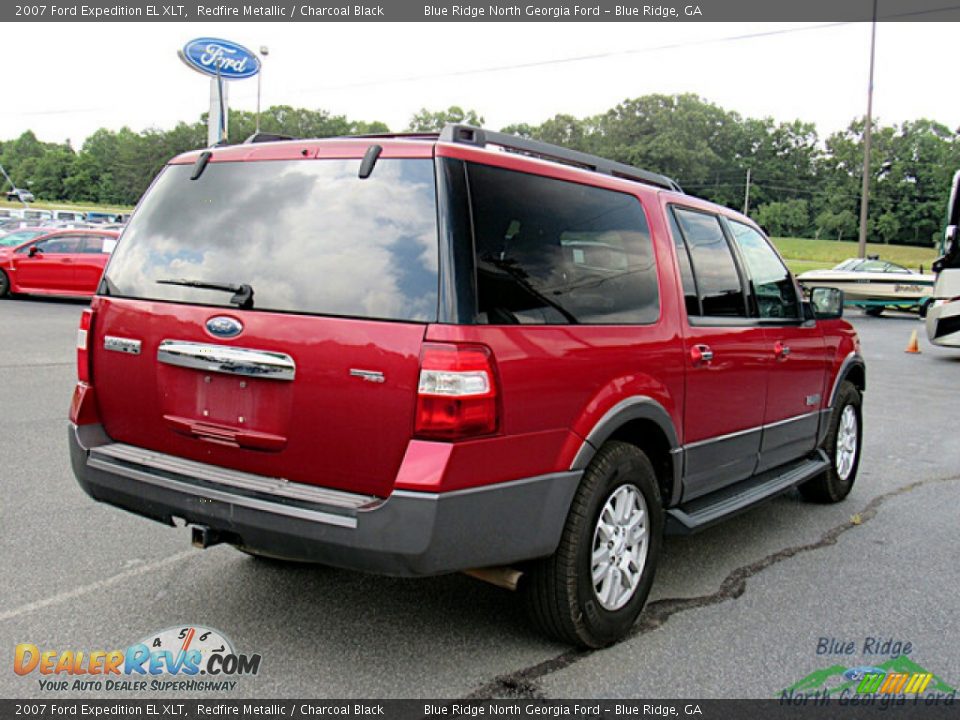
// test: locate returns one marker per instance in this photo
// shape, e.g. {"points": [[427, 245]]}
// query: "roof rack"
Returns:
{"points": [[261, 137], [398, 135], [469, 135]]}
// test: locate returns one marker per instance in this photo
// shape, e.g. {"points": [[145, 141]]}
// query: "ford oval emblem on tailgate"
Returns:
{"points": [[223, 326]]}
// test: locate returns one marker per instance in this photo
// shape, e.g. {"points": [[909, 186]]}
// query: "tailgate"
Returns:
{"points": [[319, 400]]}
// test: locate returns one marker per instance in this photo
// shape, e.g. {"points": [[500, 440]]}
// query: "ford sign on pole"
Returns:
{"points": [[220, 58]]}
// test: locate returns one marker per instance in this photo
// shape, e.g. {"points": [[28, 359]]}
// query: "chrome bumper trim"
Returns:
{"points": [[140, 464]]}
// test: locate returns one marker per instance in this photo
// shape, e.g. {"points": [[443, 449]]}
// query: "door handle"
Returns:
{"points": [[701, 354], [780, 350]]}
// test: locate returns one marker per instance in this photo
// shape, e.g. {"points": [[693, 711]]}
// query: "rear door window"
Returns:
{"points": [[717, 278], [92, 244], [555, 252], [309, 236]]}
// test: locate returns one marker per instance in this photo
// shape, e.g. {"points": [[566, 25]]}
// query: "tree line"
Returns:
{"points": [[801, 184]]}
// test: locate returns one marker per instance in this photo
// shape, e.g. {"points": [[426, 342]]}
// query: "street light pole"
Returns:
{"points": [[264, 51], [865, 189], [746, 195]]}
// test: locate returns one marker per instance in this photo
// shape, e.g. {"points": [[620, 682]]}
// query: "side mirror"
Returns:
{"points": [[34, 250], [827, 303]]}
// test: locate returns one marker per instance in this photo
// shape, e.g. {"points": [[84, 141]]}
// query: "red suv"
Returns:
{"points": [[419, 355]]}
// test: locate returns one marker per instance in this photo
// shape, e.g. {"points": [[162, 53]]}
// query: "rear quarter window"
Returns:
{"points": [[555, 252]]}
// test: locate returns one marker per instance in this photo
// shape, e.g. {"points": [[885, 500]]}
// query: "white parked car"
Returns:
{"points": [[24, 196]]}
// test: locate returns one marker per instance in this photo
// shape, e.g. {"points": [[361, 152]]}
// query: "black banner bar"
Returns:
{"points": [[537, 11], [540, 709]]}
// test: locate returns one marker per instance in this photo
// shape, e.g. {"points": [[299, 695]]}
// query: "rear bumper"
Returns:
{"points": [[406, 534]]}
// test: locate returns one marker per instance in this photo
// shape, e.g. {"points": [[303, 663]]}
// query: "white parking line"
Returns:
{"points": [[93, 587]]}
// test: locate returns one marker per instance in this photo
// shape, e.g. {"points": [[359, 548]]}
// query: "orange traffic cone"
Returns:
{"points": [[913, 346]]}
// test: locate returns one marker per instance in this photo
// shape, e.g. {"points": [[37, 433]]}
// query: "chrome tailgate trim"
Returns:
{"points": [[227, 359]]}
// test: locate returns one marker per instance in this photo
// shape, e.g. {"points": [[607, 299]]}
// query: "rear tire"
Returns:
{"points": [[843, 446], [591, 590], [4, 284], [875, 311]]}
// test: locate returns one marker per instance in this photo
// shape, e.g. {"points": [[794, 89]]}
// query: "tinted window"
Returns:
{"points": [[690, 297], [549, 251], [773, 287], [718, 282], [92, 244], [60, 245], [309, 236]]}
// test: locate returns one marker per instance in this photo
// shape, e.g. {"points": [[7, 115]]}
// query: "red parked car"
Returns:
{"points": [[469, 351], [42, 261]]}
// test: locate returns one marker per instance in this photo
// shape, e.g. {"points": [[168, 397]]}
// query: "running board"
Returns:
{"points": [[705, 511]]}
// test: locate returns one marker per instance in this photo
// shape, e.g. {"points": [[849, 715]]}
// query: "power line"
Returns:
{"points": [[516, 66]]}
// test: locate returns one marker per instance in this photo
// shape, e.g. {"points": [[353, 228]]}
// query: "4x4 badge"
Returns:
{"points": [[224, 327]]}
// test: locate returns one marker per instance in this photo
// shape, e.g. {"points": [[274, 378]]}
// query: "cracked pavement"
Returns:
{"points": [[736, 611]]}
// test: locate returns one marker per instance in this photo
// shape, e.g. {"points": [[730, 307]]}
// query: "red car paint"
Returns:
{"points": [[557, 381], [66, 262], [357, 412]]}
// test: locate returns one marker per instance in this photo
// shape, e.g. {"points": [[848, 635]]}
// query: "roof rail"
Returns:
{"points": [[469, 135], [261, 137], [398, 135]]}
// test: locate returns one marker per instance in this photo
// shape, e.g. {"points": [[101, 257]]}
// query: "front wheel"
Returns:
{"points": [[842, 445], [873, 311], [591, 590], [4, 284]]}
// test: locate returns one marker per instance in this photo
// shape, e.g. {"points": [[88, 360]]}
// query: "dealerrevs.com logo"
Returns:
{"points": [[186, 658]]}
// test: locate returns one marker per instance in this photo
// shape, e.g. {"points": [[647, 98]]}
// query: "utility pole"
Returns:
{"points": [[865, 190], [4, 173], [746, 195]]}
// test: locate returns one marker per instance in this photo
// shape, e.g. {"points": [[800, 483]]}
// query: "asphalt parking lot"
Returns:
{"points": [[737, 611]]}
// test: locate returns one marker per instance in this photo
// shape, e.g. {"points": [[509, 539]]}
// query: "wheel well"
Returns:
{"points": [[647, 435], [858, 377]]}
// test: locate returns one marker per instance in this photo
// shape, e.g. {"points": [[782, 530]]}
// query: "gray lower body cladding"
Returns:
{"points": [[405, 534]]}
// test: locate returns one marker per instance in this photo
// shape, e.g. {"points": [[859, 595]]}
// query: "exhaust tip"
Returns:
{"points": [[507, 578]]}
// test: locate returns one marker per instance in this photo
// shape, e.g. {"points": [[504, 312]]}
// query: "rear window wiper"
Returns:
{"points": [[242, 294]]}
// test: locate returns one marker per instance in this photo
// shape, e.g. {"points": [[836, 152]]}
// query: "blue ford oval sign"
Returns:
{"points": [[212, 55], [224, 327]]}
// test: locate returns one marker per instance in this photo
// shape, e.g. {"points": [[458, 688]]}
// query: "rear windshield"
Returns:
{"points": [[309, 236]]}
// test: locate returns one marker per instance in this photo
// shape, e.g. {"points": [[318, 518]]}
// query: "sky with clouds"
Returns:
{"points": [[72, 78]]}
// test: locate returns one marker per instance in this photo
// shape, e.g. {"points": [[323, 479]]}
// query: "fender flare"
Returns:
{"points": [[851, 361], [636, 407]]}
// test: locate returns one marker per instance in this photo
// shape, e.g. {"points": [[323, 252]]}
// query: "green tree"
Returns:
{"points": [[842, 223], [50, 172], [887, 226], [433, 121], [790, 217]]}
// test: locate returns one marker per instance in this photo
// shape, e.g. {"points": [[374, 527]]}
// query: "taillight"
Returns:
{"points": [[457, 392], [83, 346]]}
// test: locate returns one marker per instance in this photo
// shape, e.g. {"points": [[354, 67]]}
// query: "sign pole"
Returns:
{"points": [[217, 121]]}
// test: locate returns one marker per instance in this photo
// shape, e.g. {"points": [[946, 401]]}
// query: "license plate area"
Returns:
{"points": [[224, 409]]}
